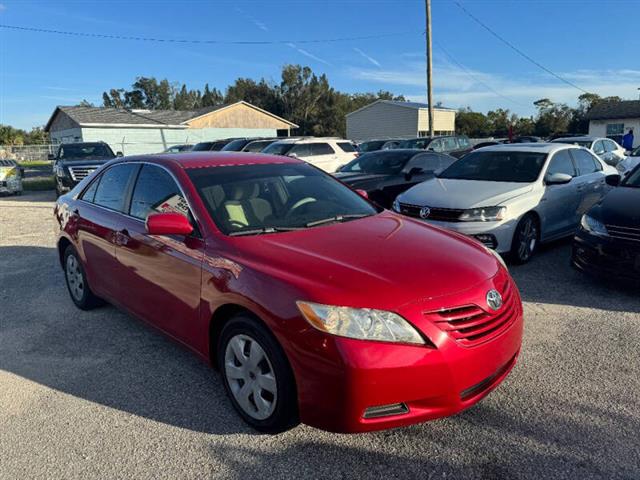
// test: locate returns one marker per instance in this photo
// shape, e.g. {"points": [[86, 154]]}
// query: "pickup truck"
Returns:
{"points": [[74, 161]]}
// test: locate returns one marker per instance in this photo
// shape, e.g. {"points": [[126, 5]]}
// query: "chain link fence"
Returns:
{"points": [[27, 153]]}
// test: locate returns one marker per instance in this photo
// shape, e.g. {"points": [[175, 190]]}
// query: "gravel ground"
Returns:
{"points": [[100, 395]]}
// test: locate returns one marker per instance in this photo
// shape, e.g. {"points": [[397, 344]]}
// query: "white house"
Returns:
{"points": [[149, 131], [392, 119], [614, 119]]}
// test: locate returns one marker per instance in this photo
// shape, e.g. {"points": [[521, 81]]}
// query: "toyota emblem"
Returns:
{"points": [[494, 299], [425, 212]]}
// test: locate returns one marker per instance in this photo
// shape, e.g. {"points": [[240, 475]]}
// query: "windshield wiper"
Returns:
{"points": [[337, 218], [260, 231]]}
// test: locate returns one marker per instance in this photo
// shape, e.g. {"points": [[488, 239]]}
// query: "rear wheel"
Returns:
{"points": [[525, 239], [76, 280], [257, 375]]}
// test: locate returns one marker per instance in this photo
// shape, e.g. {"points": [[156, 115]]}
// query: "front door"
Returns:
{"points": [[161, 273], [559, 203], [591, 181]]}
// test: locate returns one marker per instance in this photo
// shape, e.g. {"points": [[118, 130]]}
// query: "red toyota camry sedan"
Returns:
{"points": [[315, 305]]}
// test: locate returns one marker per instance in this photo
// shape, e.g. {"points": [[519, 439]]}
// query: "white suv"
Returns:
{"points": [[326, 153]]}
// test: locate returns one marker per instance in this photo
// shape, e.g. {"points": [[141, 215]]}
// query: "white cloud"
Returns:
{"points": [[261, 25], [364, 55], [307, 54]]}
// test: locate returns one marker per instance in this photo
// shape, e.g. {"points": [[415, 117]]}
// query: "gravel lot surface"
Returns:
{"points": [[100, 395]]}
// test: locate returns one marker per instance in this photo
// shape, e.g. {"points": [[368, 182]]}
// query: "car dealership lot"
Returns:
{"points": [[99, 394]]}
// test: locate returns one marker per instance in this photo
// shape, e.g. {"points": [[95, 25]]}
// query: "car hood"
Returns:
{"points": [[85, 162], [361, 180], [449, 193], [383, 261], [620, 207]]}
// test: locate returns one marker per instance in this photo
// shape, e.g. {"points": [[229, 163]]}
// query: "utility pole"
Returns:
{"points": [[427, 5]]}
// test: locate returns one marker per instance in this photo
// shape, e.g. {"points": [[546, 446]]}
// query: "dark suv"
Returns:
{"points": [[74, 161], [454, 145]]}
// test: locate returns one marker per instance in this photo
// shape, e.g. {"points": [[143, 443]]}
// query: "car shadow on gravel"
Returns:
{"points": [[549, 278], [104, 355]]}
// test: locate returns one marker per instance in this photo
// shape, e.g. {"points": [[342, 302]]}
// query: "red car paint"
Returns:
{"points": [[430, 276]]}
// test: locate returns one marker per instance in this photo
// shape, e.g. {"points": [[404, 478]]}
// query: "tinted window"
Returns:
{"points": [[257, 146], [598, 147], [321, 149], [449, 144], [346, 146], [383, 162], [90, 192], [497, 166], [415, 143], [235, 145], [430, 162], [585, 162], [252, 198], [301, 150], [463, 142], [202, 147], [437, 145], [85, 151], [633, 180], [561, 163], [156, 190], [372, 146], [112, 187], [609, 146], [278, 148]]}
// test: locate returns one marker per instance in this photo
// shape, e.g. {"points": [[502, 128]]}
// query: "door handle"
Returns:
{"points": [[122, 237]]}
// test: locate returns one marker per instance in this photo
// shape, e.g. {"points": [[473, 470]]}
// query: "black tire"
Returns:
{"points": [[526, 239], [74, 275], [283, 402]]}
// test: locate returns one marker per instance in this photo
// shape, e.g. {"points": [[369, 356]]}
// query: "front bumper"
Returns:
{"points": [[495, 235], [605, 256], [430, 381], [10, 186]]}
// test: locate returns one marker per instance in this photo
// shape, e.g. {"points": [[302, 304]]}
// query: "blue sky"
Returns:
{"points": [[591, 43]]}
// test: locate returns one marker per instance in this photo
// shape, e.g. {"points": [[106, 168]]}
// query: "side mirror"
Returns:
{"points": [[168, 223], [362, 193], [558, 179], [51, 156], [613, 180], [119, 154]]}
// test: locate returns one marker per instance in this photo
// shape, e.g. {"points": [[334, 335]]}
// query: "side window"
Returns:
{"points": [[90, 193], [437, 145], [301, 150], [449, 144], [346, 146], [463, 142], [156, 191], [321, 149], [112, 188], [561, 163], [609, 145], [598, 147], [428, 162], [584, 161]]}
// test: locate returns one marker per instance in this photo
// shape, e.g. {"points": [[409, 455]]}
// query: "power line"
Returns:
{"points": [[195, 41], [516, 49], [475, 78]]}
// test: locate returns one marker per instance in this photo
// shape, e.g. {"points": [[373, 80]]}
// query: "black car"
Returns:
{"points": [[374, 145], [387, 173], [454, 145], [213, 146], [74, 161], [237, 145], [608, 241], [257, 146]]}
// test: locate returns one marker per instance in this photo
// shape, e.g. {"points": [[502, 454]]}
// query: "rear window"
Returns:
{"points": [[347, 146]]}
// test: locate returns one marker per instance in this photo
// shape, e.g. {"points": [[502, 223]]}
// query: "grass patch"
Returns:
{"points": [[39, 183]]}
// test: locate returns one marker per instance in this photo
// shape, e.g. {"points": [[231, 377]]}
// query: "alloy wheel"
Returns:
{"points": [[528, 239], [75, 279], [250, 376]]}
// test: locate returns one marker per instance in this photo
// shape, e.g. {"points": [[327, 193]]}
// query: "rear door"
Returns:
{"points": [[591, 180], [160, 273], [99, 216], [559, 203]]}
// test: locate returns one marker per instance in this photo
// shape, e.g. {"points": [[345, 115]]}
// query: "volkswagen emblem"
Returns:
{"points": [[425, 212], [494, 299]]}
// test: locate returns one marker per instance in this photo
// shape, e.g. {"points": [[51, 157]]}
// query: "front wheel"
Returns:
{"points": [[525, 239], [257, 375]]}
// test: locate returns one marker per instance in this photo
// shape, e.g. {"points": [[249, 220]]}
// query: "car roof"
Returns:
{"points": [[575, 139], [214, 159], [541, 147], [312, 140]]}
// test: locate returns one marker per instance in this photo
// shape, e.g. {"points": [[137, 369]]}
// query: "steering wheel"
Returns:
{"points": [[299, 204]]}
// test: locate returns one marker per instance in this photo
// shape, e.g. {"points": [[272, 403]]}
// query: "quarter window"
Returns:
{"points": [[598, 147], [561, 163], [111, 190], [585, 162], [346, 146], [156, 191], [90, 192]]}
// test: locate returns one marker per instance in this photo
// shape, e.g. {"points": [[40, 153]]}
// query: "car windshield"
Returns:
{"points": [[82, 152], [257, 146], [383, 162], [278, 148], [633, 180], [235, 145], [255, 199], [497, 166], [580, 143], [415, 143], [202, 147], [372, 146]]}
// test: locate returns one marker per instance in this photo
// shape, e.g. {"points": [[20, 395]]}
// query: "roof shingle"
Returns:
{"points": [[612, 110]]}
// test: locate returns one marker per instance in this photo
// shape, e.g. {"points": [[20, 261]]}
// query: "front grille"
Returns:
{"points": [[624, 233], [438, 214], [78, 173], [471, 325]]}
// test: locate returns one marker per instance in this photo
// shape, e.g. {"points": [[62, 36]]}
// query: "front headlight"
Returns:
{"points": [[483, 214], [360, 323], [593, 226], [396, 205], [59, 170]]}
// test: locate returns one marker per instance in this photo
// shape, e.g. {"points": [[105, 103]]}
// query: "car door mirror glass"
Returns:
{"points": [[558, 179], [613, 180], [169, 223]]}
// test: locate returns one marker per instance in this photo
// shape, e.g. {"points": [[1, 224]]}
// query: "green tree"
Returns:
{"points": [[473, 124]]}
